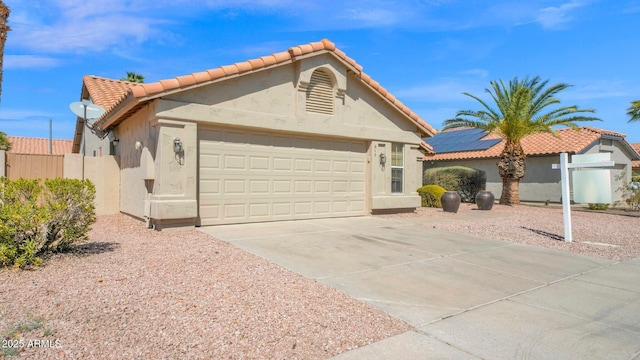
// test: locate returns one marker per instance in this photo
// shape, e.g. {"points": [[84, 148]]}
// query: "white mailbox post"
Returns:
{"points": [[590, 186]]}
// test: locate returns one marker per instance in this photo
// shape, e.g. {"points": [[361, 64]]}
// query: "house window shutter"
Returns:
{"points": [[320, 93]]}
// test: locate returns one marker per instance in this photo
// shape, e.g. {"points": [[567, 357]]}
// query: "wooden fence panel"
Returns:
{"points": [[31, 166]]}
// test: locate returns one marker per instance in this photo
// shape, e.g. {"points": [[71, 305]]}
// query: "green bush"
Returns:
{"points": [[599, 207], [35, 220], [430, 195], [70, 204], [466, 181]]}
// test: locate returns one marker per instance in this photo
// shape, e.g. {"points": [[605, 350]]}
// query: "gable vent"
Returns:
{"points": [[320, 93]]}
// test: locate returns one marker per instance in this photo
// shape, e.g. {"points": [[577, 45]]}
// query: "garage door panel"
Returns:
{"points": [[248, 177], [282, 164], [282, 186], [303, 164]]}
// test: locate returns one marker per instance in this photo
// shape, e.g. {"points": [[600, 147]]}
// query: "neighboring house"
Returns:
{"points": [[38, 146], [480, 150], [635, 164], [34, 158], [298, 134]]}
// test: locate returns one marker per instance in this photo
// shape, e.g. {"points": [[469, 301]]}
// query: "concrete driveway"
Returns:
{"points": [[466, 297]]}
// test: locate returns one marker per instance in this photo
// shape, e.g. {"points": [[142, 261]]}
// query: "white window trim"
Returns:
{"points": [[397, 167]]}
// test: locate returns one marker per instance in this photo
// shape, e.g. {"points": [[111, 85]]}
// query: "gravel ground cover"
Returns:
{"points": [[602, 235], [133, 293]]}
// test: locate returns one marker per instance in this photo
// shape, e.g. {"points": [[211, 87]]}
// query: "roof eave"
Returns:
{"points": [[119, 113]]}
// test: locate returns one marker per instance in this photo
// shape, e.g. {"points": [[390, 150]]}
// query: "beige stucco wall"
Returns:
{"points": [[274, 100], [157, 183], [541, 183], [137, 167], [103, 172]]}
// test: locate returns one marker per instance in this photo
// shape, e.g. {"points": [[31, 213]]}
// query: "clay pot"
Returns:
{"points": [[450, 201], [485, 199]]}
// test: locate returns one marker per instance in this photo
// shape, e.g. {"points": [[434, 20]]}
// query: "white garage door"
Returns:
{"points": [[253, 177]]}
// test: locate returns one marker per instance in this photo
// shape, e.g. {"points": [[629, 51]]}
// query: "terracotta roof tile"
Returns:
{"points": [[635, 163], [268, 60], [256, 63], [186, 80], [40, 146], [215, 74], [106, 92], [244, 66], [111, 94], [568, 140]]}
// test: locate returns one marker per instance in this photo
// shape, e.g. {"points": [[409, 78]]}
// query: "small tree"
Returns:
{"points": [[5, 144], [521, 108], [133, 77]]}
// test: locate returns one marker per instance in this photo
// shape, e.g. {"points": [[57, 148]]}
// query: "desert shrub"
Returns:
{"points": [[35, 220], [599, 207], [70, 205], [20, 220], [430, 195], [466, 181], [630, 192]]}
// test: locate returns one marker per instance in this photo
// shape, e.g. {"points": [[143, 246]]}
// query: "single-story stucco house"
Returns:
{"points": [[299, 134], [480, 150]]}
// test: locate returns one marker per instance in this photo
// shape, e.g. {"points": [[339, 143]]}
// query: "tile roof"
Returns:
{"points": [[635, 163], [120, 98], [568, 140], [40, 146]]}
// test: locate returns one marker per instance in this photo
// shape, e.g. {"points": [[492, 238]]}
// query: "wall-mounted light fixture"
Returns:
{"points": [[138, 145], [177, 145], [383, 159]]}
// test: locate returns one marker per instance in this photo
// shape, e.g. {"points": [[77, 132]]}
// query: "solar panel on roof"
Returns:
{"points": [[460, 140]]}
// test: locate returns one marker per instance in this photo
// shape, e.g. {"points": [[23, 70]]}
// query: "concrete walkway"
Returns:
{"points": [[466, 297]]}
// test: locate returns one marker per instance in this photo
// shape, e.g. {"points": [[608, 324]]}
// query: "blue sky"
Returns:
{"points": [[425, 52]]}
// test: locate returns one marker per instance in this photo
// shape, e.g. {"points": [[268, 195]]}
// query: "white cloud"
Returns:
{"points": [[473, 81], [372, 16], [554, 16], [601, 89], [29, 61], [74, 26]]}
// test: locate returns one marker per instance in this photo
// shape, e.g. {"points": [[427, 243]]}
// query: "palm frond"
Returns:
{"points": [[634, 111], [518, 109]]}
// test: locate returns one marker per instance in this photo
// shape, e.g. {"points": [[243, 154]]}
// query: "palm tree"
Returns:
{"points": [[5, 144], [133, 77], [519, 113], [634, 111], [4, 28]]}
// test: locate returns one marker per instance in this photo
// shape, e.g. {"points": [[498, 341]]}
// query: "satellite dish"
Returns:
{"points": [[86, 109]]}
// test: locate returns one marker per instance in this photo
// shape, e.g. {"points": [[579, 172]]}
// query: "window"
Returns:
{"points": [[397, 168], [320, 93]]}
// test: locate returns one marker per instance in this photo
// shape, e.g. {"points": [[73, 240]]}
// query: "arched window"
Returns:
{"points": [[320, 93]]}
